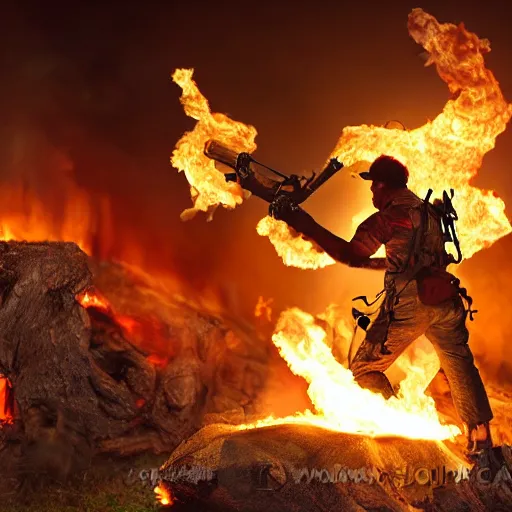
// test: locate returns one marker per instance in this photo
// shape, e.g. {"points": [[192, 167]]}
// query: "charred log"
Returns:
{"points": [[83, 382], [298, 467]]}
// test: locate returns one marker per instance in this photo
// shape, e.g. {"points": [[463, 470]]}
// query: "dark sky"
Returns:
{"points": [[93, 79]]}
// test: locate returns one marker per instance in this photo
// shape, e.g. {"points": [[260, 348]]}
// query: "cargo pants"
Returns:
{"points": [[445, 327]]}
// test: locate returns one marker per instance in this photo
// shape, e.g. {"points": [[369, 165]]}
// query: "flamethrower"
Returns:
{"points": [[293, 189]]}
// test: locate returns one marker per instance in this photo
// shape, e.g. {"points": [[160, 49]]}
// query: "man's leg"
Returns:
{"points": [[369, 364], [449, 336]]}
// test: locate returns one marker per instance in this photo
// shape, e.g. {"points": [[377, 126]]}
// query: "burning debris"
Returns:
{"points": [[6, 401], [133, 369], [163, 495]]}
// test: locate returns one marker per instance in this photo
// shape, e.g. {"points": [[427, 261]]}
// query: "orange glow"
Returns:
{"points": [[442, 154], [5, 410], [263, 308], [340, 403], [157, 360], [127, 323], [163, 495], [26, 216], [93, 299]]}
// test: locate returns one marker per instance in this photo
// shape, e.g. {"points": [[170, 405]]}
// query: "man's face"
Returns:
{"points": [[378, 194]]}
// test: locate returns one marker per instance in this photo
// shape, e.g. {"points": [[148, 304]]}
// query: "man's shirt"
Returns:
{"points": [[393, 227]]}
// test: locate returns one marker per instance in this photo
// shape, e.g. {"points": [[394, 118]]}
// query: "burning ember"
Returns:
{"points": [[5, 401], [157, 360], [91, 298], [263, 309], [444, 153], [163, 495]]}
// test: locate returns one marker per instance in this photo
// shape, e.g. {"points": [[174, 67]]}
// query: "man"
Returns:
{"points": [[420, 296]]}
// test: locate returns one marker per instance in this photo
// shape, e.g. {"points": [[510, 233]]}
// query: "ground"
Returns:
{"points": [[110, 485]]}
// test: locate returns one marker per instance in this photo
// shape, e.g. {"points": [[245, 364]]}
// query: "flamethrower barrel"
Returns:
{"points": [[216, 151], [330, 170], [262, 186]]}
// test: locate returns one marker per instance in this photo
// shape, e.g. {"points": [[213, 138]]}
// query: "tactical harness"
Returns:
{"points": [[413, 266]]}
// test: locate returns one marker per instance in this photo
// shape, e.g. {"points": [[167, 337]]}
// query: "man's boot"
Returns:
{"points": [[479, 440], [376, 382]]}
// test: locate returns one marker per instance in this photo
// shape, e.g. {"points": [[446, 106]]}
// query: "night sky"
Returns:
{"points": [[92, 79]]}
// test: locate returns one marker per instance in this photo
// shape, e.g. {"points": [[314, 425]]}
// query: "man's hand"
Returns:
{"points": [[283, 208]]}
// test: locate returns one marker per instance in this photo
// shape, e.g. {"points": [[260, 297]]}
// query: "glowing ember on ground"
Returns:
{"points": [[127, 323], [339, 402], [5, 407], [163, 495], [157, 360], [91, 298]]}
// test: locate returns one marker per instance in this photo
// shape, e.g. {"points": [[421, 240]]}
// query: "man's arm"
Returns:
{"points": [[355, 253]]}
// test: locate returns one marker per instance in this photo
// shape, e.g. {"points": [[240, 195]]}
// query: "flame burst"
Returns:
{"points": [[163, 495], [292, 247], [208, 186], [339, 402], [448, 151], [444, 153]]}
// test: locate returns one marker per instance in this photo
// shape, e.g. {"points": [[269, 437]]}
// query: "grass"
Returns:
{"points": [[109, 485]]}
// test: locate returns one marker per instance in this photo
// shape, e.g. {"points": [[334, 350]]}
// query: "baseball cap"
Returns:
{"points": [[388, 170]]}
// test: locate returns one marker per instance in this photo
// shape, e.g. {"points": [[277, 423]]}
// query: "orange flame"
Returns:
{"points": [[292, 247], [448, 151], [163, 495], [263, 308], [208, 186], [93, 299], [444, 153], [5, 409], [340, 403]]}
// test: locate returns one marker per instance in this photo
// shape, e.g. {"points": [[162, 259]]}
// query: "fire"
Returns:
{"points": [[292, 247], [163, 495], [157, 360], [448, 151], [263, 308], [91, 298], [444, 153], [75, 214], [5, 405], [208, 186], [340, 403]]}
